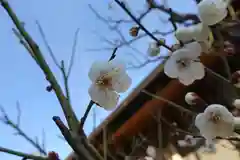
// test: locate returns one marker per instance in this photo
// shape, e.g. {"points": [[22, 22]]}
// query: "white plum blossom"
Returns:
{"points": [[108, 79], [236, 103], [198, 32], [212, 12], [185, 65], [151, 151], [190, 98], [153, 49], [215, 121], [189, 141]]}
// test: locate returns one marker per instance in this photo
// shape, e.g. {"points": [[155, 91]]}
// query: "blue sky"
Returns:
{"points": [[23, 81]]}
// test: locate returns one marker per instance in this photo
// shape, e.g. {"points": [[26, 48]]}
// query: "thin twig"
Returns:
{"points": [[65, 79], [83, 119], [74, 48], [23, 42], [47, 44], [149, 61], [217, 75], [131, 41], [43, 139], [181, 108], [6, 120], [40, 60], [122, 5], [21, 154]]}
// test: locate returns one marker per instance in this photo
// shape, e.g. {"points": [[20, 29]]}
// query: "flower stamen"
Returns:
{"points": [[215, 118], [183, 63]]}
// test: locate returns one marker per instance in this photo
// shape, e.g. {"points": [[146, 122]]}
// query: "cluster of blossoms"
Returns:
{"points": [[184, 63], [110, 78]]}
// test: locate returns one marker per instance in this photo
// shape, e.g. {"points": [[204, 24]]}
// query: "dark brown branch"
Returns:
{"points": [[122, 5], [178, 18]]}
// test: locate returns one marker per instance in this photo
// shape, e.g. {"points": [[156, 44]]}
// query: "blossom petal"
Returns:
{"points": [[194, 48], [96, 69], [201, 32], [197, 70], [99, 68], [212, 12], [184, 34], [186, 77], [105, 98], [170, 67], [121, 83], [118, 64], [200, 121]]}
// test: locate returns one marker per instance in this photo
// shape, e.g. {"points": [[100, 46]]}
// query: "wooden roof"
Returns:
{"points": [[135, 114]]}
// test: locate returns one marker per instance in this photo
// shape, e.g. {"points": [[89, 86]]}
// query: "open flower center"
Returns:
{"points": [[215, 118], [183, 63], [104, 81]]}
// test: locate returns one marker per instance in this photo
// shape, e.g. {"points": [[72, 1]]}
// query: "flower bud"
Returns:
{"points": [[190, 98], [151, 151], [134, 31], [236, 103], [53, 156]]}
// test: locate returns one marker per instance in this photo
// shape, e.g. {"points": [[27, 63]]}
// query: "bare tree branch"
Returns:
{"points": [[40, 60], [6, 120], [21, 154], [47, 44], [74, 49], [181, 108], [122, 5]]}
